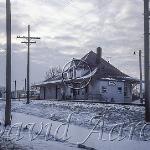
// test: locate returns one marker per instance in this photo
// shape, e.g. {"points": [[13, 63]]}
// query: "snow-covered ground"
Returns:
{"points": [[56, 112], [83, 112]]}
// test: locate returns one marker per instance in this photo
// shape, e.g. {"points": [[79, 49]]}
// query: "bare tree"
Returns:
{"points": [[53, 72]]}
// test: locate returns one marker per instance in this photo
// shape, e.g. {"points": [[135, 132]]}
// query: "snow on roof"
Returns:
{"points": [[59, 81], [107, 71]]}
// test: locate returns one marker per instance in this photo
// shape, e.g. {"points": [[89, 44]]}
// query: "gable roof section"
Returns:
{"points": [[104, 70], [90, 58]]}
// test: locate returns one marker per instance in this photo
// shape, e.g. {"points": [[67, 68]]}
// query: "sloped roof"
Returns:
{"points": [[104, 70], [58, 77], [90, 58]]}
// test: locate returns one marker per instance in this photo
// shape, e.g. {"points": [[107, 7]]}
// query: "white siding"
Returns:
{"points": [[99, 89], [128, 96], [50, 92], [112, 91], [41, 92]]}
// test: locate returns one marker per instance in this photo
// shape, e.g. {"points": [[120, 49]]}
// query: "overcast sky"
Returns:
{"points": [[71, 28]]}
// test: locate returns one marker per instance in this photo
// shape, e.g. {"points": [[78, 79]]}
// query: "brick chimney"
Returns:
{"points": [[98, 55]]}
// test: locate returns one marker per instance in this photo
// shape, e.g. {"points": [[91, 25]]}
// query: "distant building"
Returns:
{"points": [[2, 92], [18, 94], [107, 83], [34, 94]]}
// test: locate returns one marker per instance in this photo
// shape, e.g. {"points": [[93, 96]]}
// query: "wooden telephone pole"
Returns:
{"points": [[8, 64], [147, 60], [141, 80], [28, 42], [141, 77], [15, 92]]}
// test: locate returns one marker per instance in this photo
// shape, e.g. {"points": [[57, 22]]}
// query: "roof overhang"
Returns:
{"points": [[68, 80]]}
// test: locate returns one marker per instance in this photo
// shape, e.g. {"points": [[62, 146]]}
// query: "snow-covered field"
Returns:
{"points": [[81, 124], [83, 112], [59, 111]]}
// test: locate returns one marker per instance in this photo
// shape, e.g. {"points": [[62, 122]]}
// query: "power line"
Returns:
{"points": [[28, 42]]}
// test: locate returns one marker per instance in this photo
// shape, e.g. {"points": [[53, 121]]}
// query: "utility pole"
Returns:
{"points": [[140, 69], [8, 65], [141, 82], [25, 84], [28, 42], [146, 60], [15, 89]]}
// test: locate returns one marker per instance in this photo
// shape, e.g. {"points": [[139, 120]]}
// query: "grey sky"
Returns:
{"points": [[71, 28]]}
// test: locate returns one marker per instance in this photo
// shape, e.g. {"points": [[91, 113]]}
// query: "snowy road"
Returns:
{"points": [[77, 134]]}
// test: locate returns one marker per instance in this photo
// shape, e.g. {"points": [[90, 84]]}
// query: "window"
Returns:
{"points": [[76, 92], [119, 90], [71, 90], [86, 89], [70, 74], [104, 89], [83, 91], [125, 91]]}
